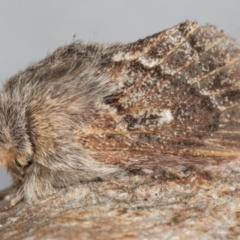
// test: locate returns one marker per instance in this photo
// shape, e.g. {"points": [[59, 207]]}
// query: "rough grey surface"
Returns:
{"points": [[195, 204]]}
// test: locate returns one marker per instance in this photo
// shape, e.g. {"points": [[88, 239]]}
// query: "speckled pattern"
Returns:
{"points": [[177, 94]]}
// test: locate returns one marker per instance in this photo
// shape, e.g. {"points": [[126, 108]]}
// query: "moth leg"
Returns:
{"points": [[17, 197]]}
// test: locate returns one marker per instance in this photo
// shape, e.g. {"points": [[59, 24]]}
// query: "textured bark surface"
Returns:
{"points": [[181, 204]]}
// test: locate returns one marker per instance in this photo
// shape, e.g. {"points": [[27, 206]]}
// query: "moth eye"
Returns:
{"points": [[18, 163], [29, 163]]}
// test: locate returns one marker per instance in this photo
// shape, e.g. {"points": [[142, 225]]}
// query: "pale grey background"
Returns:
{"points": [[31, 28]]}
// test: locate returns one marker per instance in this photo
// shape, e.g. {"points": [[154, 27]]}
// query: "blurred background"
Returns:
{"points": [[29, 29]]}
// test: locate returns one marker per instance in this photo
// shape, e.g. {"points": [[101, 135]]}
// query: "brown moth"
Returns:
{"points": [[91, 111]]}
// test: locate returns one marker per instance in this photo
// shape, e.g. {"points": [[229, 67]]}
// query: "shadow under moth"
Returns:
{"points": [[96, 110]]}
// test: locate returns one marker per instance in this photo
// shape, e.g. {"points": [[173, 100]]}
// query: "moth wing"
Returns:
{"points": [[176, 100]]}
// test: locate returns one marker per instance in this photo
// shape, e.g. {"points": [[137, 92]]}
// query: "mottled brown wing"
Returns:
{"points": [[176, 100]]}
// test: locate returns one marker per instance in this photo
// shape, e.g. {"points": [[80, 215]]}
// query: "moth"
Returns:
{"points": [[95, 110]]}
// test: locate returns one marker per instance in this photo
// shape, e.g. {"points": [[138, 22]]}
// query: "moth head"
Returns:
{"points": [[15, 146]]}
